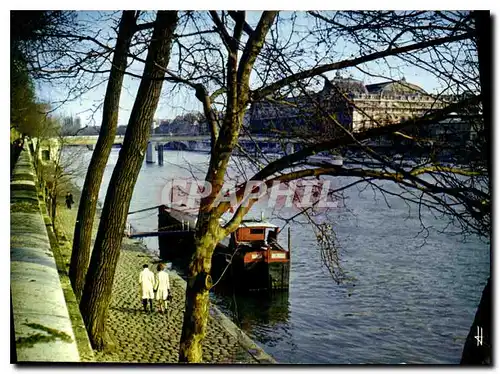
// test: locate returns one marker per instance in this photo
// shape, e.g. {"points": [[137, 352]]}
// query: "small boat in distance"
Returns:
{"points": [[325, 158]]}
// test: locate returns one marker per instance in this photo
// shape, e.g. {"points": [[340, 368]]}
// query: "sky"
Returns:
{"points": [[184, 101]]}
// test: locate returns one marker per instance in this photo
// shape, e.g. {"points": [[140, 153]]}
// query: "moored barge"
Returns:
{"points": [[251, 257]]}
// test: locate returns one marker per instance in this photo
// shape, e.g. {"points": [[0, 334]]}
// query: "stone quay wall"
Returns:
{"points": [[39, 315]]}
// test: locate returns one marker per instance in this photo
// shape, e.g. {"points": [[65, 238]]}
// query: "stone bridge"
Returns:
{"points": [[198, 143]]}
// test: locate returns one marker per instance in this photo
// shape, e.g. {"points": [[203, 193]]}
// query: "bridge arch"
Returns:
{"points": [[176, 145]]}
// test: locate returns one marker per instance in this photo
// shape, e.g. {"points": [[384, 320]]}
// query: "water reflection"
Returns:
{"points": [[264, 316]]}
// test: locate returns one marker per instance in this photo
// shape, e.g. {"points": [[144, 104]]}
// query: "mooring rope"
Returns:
{"points": [[145, 209], [161, 229]]}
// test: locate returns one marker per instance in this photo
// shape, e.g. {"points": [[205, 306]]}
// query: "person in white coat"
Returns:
{"points": [[146, 283], [162, 287]]}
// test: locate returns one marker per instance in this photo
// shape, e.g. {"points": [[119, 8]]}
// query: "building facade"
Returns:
{"points": [[344, 102]]}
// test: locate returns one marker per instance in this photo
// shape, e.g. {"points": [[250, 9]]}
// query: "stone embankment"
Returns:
{"points": [[42, 325]]}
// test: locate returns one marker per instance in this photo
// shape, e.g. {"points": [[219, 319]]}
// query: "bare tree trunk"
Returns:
{"points": [[99, 279], [208, 230], [54, 207], [36, 160], [90, 193], [473, 352], [482, 21], [197, 297], [207, 235], [197, 304], [477, 351]]}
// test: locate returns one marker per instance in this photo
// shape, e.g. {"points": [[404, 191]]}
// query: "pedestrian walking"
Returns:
{"points": [[69, 200], [146, 283], [162, 287]]}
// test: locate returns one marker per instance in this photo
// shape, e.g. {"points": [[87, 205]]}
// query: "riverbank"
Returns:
{"points": [[154, 338]]}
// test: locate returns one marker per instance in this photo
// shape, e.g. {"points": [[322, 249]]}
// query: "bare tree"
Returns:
{"points": [[58, 173], [99, 279], [86, 210], [40, 126], [280, 68]]}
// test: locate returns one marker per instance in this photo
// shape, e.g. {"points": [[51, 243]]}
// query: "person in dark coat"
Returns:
{"points": [[69, 200]]}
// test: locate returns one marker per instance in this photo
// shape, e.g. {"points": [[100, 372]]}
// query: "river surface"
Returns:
{"points": [[410, 298]]}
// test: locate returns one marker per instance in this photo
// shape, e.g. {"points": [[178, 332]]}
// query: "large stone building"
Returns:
{"points": [[346, 102]]}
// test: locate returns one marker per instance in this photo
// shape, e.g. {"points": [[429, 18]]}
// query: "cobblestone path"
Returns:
{"points": [[149, 338]]}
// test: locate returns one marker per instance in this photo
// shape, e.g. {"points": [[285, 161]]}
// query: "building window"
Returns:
{"points": [[256, 231]]}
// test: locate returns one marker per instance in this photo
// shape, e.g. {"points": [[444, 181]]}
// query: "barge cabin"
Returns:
{"points": [[250, 258], [257, 261]]}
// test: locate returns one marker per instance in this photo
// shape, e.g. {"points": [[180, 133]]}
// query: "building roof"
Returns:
{"points": [[257, 224], [345, 85], [395, 88], [354, 86]]}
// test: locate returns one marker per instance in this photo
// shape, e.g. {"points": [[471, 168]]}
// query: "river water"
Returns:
{"points": [[411, 297]]}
